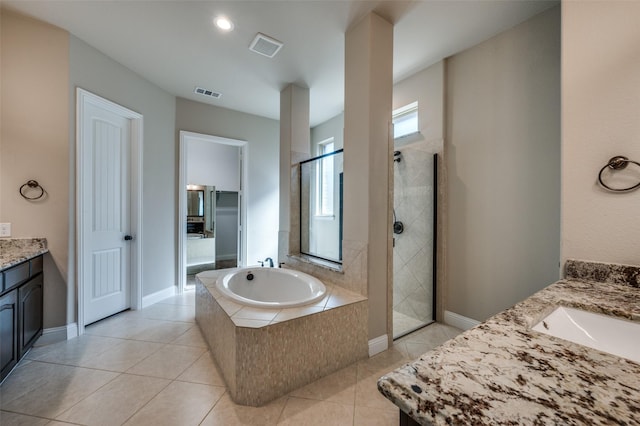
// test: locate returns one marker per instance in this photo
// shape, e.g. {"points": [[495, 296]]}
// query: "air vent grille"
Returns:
{"points": [[265, 45], [207, 92]]}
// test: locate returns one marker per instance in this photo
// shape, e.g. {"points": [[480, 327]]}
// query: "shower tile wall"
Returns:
{"points": [[413, 251]]}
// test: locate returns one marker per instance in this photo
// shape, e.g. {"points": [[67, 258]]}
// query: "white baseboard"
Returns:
{"points": [[458, 321], [58, 334], [158, 296], [379, 344], [53, 335], [72, 330]]}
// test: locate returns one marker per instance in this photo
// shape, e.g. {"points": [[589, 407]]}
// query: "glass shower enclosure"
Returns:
{"points": [[415, 183]]}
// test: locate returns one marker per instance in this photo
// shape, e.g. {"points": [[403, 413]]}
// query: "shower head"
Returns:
{"points": [[397, 156]]}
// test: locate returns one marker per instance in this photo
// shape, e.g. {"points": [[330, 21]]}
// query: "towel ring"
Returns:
{"points": [[618, 162], [32, 184]]}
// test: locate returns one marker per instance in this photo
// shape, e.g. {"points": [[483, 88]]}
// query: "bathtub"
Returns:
{"points": [[271, 287]]}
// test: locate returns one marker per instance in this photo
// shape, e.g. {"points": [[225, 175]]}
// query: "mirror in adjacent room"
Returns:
{"points": [[321, 204], [201, 244], [195, 202]]}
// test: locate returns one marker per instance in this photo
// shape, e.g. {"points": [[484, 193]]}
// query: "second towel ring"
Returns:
{"points": [[618, 162]]}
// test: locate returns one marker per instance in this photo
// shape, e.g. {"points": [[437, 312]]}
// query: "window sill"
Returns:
{"points": [[411, 137], [322, 263]]}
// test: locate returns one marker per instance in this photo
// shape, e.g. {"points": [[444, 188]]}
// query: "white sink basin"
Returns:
{"points": [[607, 334]]}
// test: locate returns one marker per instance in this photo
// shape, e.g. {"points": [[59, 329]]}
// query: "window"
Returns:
{"points": [[324, 179], [405, 120]]}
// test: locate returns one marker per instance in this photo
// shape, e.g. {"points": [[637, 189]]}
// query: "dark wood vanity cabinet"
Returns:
{"points": [[8, 332], [30, 311], [21, 311]]}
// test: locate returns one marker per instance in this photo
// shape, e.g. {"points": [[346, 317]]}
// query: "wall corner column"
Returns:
{"points": [[367, 157], [295, 146]]}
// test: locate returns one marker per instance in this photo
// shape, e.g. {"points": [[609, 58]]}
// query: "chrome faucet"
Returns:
{"points": [[270, 260]]}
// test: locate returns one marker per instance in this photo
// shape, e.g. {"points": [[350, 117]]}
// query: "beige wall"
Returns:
{"points": [[503, 161], [600, 119], [35, 145]]}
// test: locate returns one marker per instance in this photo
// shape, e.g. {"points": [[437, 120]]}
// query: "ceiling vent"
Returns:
{"points": [[265, 45], [207, 92]]}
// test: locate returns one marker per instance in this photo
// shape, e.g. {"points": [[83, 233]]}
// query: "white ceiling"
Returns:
{"points": [[174, 44]]}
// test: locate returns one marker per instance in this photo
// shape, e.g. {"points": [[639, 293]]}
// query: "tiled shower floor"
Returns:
{"points": [[152, 367], [404, 324]]}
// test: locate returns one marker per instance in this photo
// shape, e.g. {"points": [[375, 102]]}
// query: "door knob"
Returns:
{"points": [[128, 238]]}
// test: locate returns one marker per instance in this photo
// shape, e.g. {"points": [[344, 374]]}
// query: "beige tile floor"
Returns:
{"points": [[152, 367]]}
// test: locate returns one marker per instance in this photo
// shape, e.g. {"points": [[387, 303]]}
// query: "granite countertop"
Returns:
{"points": [[16, 250], [502, 372]]}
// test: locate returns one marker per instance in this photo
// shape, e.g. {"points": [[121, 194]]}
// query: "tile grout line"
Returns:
{"points": [[150, 399], [284, 406], [214, 405], [26, 415], [150, 355], [71, 407]]}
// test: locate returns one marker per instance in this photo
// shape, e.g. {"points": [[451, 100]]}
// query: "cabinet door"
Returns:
{"points": [[30, 300], [8, 332]]}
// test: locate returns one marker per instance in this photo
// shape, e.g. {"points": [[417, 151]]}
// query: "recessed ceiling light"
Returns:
{"points": [[223, 23]]}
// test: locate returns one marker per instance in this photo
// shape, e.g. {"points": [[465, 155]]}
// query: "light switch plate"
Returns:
{"points": [[5, 229]]}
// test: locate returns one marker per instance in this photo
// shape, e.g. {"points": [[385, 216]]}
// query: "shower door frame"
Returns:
{"points": [[434, 249]]}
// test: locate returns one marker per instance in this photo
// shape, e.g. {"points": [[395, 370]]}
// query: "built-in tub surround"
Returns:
{"points": [[503, 372], [266, 353]]}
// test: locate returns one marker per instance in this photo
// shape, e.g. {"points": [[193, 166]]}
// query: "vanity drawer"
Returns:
{"points": [[16, 275]]}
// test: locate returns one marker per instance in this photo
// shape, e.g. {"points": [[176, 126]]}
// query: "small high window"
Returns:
{"points": [[405, 120], [324, 176]]}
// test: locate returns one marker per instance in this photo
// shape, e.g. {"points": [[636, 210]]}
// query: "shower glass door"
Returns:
{"points": [[414, 238]]}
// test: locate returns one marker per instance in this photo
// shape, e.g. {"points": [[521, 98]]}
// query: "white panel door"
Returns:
{"points": [[106, 213]]}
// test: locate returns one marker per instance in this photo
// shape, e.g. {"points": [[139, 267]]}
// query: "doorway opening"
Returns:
{"points": [[212, 210]]}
